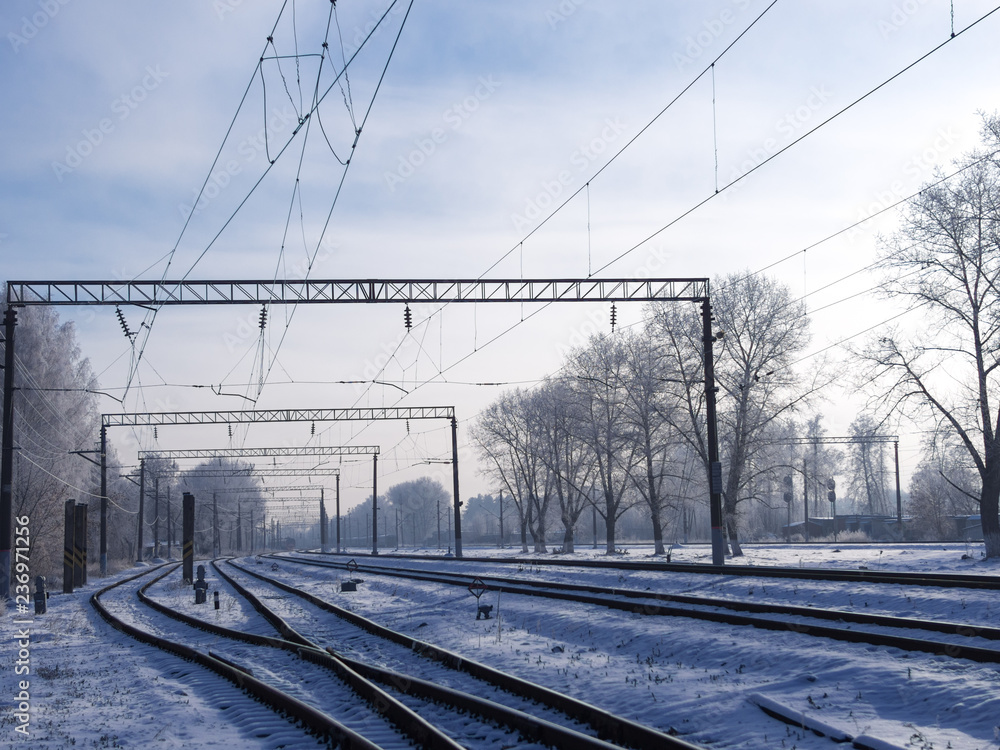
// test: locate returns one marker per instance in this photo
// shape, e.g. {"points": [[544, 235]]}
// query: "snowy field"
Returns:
{"points": [[90, 686]]}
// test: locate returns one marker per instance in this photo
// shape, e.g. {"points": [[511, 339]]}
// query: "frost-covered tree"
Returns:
{"points": [[55, 412], [944, 262], [763, 331]]}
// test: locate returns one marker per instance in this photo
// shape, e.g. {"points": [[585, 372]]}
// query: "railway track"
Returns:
{"points": [[858, 575], [537, 712], [320, 690], [957, 640], [287, 678]]}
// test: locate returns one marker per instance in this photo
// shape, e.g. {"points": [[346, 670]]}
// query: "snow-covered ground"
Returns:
{"points": [[90, 686]]}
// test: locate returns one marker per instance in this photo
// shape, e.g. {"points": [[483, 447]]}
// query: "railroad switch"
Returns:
{"points": [[483, 613]]}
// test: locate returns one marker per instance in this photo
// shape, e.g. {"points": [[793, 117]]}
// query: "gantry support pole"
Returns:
{"points": [[714, 464], [322, 521], [142, 508], [104, 501], [454, 472], [374, 505]]}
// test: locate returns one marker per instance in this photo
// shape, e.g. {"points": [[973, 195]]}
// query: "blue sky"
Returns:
{"points": [[488, 116]]}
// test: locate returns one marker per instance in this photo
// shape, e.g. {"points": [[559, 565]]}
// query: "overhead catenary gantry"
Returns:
{"points": [[228, 292], [816, 441], [276, 452], [246, 416], [327, 450]]}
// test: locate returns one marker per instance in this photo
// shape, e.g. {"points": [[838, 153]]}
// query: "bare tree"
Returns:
{"points": [[503, 437], [659, 475], [568, 459], [763, 330], [945, 262], [601, 384], [418, 502], [943, 486], [868, 467]]}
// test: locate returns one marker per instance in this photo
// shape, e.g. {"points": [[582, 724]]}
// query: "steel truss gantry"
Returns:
{"points": [[295, 292], [252, 471], [328, 450], [253, 416], [156, 294], [855, 440], [245, 416]]}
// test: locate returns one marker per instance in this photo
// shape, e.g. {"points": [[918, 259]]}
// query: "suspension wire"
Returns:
{"points": [[151, 316], [795, 142], [589, 274], [634, 138], [715, 136], [343, 176]]}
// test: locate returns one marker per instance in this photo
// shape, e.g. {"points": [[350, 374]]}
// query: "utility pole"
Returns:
{"points": [[322, 520], [714, 464], [104, 501], [501, 520], [239, 526], [899, 495], [805, 494], [458, 503], [142, 501], [338, 513], [156, 515], [375, 505], [216, 541], [170, 525]]}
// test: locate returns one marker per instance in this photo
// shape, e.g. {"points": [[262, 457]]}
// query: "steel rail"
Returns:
{"points": [[314, 720], [606, 597], [942, 580], [609, 727]]}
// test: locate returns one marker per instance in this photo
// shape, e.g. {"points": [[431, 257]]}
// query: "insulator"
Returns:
{"points": [[407, 318], [155, 436], [407, 426], [263, 317], [123, 323], [312, 430], [614, 317], [230, 430]]}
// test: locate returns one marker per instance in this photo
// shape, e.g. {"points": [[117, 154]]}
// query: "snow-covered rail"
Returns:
{"points": [[448, 677]]}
